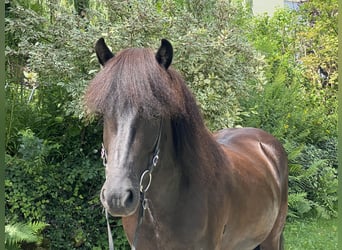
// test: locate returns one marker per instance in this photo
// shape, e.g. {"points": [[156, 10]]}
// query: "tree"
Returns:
{"points": [[295, 106], [320, 43]]}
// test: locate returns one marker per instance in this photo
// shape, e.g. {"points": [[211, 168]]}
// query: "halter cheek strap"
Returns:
{"points": [[143, 189], [148, 172], [146, 176]]}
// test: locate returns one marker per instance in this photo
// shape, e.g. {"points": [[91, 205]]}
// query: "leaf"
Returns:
{"points": [[21, 232]]}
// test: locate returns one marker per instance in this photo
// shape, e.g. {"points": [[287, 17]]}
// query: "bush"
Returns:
{"points": [[313, 181], [313, 191], [63, 193], [286, 111], [303, 116]]}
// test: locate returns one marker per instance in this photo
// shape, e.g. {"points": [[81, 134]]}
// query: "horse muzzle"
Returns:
{"points": [[119, 201]]}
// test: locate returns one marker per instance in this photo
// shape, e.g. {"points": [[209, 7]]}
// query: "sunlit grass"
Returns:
{"points": [[311, 234]]}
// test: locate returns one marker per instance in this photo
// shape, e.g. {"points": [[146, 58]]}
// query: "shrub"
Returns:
{"points": [[290, 106], [301, 114], [63, 193], [286, 111], [312, 182]]}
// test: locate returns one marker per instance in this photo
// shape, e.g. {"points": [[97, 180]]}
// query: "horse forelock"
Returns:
{"points": [[133, 79]]}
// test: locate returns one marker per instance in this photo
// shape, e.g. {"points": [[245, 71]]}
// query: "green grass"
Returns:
{"points": [[311, 234]]}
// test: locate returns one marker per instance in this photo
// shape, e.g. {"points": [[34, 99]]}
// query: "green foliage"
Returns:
{"points": [[313, 191], [326, 151], [63, 188], [18, 233], [313, 110], [320, 40], [286, 111], [301, 114], [312, 181], [49, 51]]}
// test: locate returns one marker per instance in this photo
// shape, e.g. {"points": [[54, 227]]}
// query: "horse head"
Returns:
{"points": [[130, 141]]}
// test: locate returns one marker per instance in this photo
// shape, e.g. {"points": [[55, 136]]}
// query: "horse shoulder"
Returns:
{"points": [[255, 160], [255, 144]]}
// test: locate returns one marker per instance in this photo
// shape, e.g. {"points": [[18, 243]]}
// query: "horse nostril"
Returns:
{"points": [[129, 198]]}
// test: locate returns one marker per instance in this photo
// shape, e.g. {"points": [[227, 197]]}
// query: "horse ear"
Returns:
{"points": [[165, 53], [102, 51]]}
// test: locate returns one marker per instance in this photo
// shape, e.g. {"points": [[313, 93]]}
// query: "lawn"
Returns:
{"points": [[311, 234]]}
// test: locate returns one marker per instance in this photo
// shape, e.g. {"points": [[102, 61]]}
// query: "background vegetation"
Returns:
{"points": [[278, 73]]}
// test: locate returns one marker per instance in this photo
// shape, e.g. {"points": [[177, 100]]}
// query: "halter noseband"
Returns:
{"points": [[143, 189]]}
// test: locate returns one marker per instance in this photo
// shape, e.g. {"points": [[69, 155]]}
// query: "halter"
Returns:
{"points": [[146, 176]]}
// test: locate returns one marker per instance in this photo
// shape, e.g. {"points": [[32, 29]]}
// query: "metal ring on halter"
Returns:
{"points": [[144, 204], [149, 174], [155, 160]]}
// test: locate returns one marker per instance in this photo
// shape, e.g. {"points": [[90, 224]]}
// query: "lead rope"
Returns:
{"points": [[109, 231], [110, 236]]}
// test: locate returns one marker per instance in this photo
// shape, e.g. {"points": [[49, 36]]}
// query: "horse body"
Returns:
{"points": [[217, 207], [226, 190]]}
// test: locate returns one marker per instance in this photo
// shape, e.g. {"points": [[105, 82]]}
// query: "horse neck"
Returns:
{"points": [[185, 164]]}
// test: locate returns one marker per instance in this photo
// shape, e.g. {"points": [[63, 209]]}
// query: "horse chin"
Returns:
{"points": [[122, 212]]}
